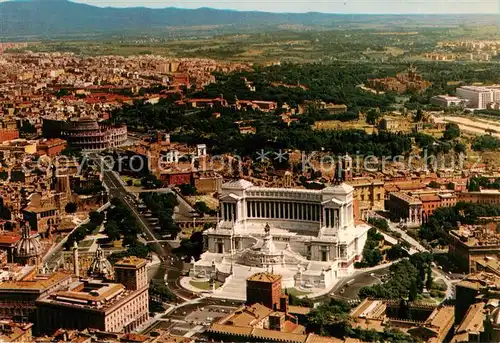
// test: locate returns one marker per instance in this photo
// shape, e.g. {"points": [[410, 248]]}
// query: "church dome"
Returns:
{"points": [[100, 266], [28, 246]]}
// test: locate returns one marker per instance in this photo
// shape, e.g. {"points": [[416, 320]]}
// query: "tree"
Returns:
{"points": [[187, 189], [450, 186], [112, 231], [434, 184], [379, 223], [62, 92], [429, 281], [151, 182], [452, 131], [460, 148], [330, 319], [486, 143], [413, 292], [419, 115], [96, 218], [192, 247], [159, 292], [372, 116], [202, 207], [396, 252], [71, 208]]}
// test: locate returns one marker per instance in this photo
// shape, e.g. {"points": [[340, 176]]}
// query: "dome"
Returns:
{"points": [[100, 267], [28, 246]]}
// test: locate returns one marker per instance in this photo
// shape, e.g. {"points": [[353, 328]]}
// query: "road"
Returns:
{"points": [[412, 241], [53, 255], [170, 264], [349, 287]]}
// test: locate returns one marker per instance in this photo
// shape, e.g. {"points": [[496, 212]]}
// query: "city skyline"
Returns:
{"points": [[335, 6]]}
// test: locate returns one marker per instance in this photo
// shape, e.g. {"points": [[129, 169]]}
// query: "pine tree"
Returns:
{"points": [[428, 282], [413, 291]]}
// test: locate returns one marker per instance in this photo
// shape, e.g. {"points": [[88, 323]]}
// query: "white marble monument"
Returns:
{"points": [[307, 236]]}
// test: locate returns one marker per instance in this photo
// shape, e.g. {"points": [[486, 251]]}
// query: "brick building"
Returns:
{"points": [[8, 134], [264, 288], [176, 178], [51, 147]]}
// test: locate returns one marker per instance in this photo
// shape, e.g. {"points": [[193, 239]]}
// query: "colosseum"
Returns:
{"points": [[88, 134]]}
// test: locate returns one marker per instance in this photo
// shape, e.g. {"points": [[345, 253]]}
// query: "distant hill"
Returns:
{"points": [[49, 18]]}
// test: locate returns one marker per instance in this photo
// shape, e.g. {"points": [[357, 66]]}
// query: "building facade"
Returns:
{"points": [[370, 195], [478, 97], [17, 298], [99, 304]]}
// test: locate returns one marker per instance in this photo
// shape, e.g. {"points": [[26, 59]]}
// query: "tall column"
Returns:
{"points": [[76, 266]]}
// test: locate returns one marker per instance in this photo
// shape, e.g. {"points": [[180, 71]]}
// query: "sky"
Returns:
{"points": [[326, 6]]}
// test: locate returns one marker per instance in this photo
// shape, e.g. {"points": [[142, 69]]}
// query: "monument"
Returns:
{"points": [[307, 236]]}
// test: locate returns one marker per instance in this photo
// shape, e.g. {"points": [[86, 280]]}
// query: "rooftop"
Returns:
{"points": [[92, 293], [476, 236], [13, 332], [473, 320], [131, 261], [407, 198], [9, 238], [480, 280], [265, 277], [40, 282]]}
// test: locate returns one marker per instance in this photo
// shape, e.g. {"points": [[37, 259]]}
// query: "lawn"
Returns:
{"points": [[86, 244], [135, 182], [295, 292], [205, 285]]}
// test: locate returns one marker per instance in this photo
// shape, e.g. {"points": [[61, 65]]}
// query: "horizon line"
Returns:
{"points": [[260, 11]]}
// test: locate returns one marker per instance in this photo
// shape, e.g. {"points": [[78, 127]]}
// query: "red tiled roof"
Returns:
{"points": [[9, 238]]}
